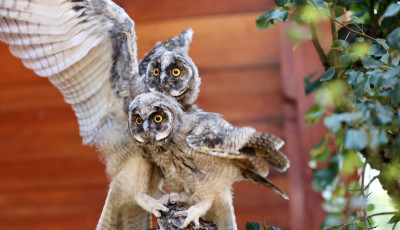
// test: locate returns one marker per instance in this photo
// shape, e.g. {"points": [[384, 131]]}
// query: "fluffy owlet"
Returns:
{"points": [[87, 49], [201, 155], [167, 68]]}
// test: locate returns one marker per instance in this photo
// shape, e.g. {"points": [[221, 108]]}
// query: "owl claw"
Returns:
{"points": [[191, 216], [158, 208]]}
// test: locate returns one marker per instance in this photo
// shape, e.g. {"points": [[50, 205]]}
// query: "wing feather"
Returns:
{"points": [[87, 49]]}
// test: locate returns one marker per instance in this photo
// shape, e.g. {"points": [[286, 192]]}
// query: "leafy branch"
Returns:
{"points": [[358, 99]]}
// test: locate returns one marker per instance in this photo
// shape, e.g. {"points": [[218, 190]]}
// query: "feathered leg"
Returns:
{"points": [[222, 212], [133, 217], [109, 216]]}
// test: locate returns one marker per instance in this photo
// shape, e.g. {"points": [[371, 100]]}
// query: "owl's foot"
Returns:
{"points": [[172, 198], [151, 205], [192, 215]]}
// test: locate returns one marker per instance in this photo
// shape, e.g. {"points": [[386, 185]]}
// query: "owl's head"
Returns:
{"points": [[153, 117], [171, 71]]}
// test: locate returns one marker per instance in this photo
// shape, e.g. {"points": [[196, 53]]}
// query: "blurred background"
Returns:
{"points": [[48, 180]]}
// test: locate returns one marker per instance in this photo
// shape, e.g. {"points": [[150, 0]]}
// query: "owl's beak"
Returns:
{"points": [[163, 80], [145, 126]]}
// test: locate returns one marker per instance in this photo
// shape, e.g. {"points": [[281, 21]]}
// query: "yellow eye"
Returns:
{"points": [[156, 72], [139, 121], [158, 118], [176, 72]]}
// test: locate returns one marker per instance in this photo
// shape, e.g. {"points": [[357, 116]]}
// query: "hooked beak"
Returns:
{"points": [[163, 80], [145, 126]]}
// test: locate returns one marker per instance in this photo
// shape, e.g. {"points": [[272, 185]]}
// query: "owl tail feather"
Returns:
{"points": [[254, 177], [267, 146]]}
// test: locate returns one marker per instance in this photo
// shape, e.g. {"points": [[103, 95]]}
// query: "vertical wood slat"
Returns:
{"points": [[306, 210]]}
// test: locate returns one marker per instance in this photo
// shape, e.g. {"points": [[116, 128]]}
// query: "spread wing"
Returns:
{"points": [[87, 49], [216, 136]]}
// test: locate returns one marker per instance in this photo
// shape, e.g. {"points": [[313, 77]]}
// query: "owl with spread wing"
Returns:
{"points": [[87, 49]]}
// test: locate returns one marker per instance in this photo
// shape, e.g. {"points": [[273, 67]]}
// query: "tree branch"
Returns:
{"points": [[364, 198], [317, 46], [381, 213], [168, 221], [340, 23], [342, 225]]}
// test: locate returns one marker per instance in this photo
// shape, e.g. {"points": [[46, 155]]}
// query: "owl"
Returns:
{"points": [[201, 155], [167, 68], [87, 49]]}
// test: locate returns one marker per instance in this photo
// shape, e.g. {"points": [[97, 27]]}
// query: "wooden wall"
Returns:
{"points": [[48, 180]]}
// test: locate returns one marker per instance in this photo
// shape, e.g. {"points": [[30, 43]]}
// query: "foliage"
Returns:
{"points": [[358, 99], [257, 226]]}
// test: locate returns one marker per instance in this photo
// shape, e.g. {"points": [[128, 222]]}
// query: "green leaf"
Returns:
{"points": [[371, 63], [252, 226], [273, 228], [336, 205], [383, 43], [377, 138], [312, 86], [356, 139], [381, 115], [347, 2], [395, 147], [351, 162], [370, 207], [340, 45], [298, 3], [355, 77], [339, 11], [377, 50], [398, 118], [393, 39], [314, 115], [319, 148], [396, 95], [391, 10], [335, 121], [281, 3], [394, 219], [329, 74], [332, 219], [324, 178], [328, 176], [270, 18], [346, 60]]}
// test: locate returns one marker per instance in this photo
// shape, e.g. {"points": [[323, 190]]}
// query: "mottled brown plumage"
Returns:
{"points": [[200, 154]]}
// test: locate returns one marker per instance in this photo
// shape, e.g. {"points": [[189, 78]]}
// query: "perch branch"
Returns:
{"points": [[168, 221]]}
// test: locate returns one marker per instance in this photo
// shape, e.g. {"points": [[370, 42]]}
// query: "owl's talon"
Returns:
{"points": [[158, 208], [191, 216]]}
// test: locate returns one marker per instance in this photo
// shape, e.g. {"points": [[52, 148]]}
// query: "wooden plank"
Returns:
{"points": [[306, 208], [254, 202], [224, 41], [57, 208], [245, 106], [240, 81], [162, 9], [29, 96], [68, 172], [14, 72]]}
